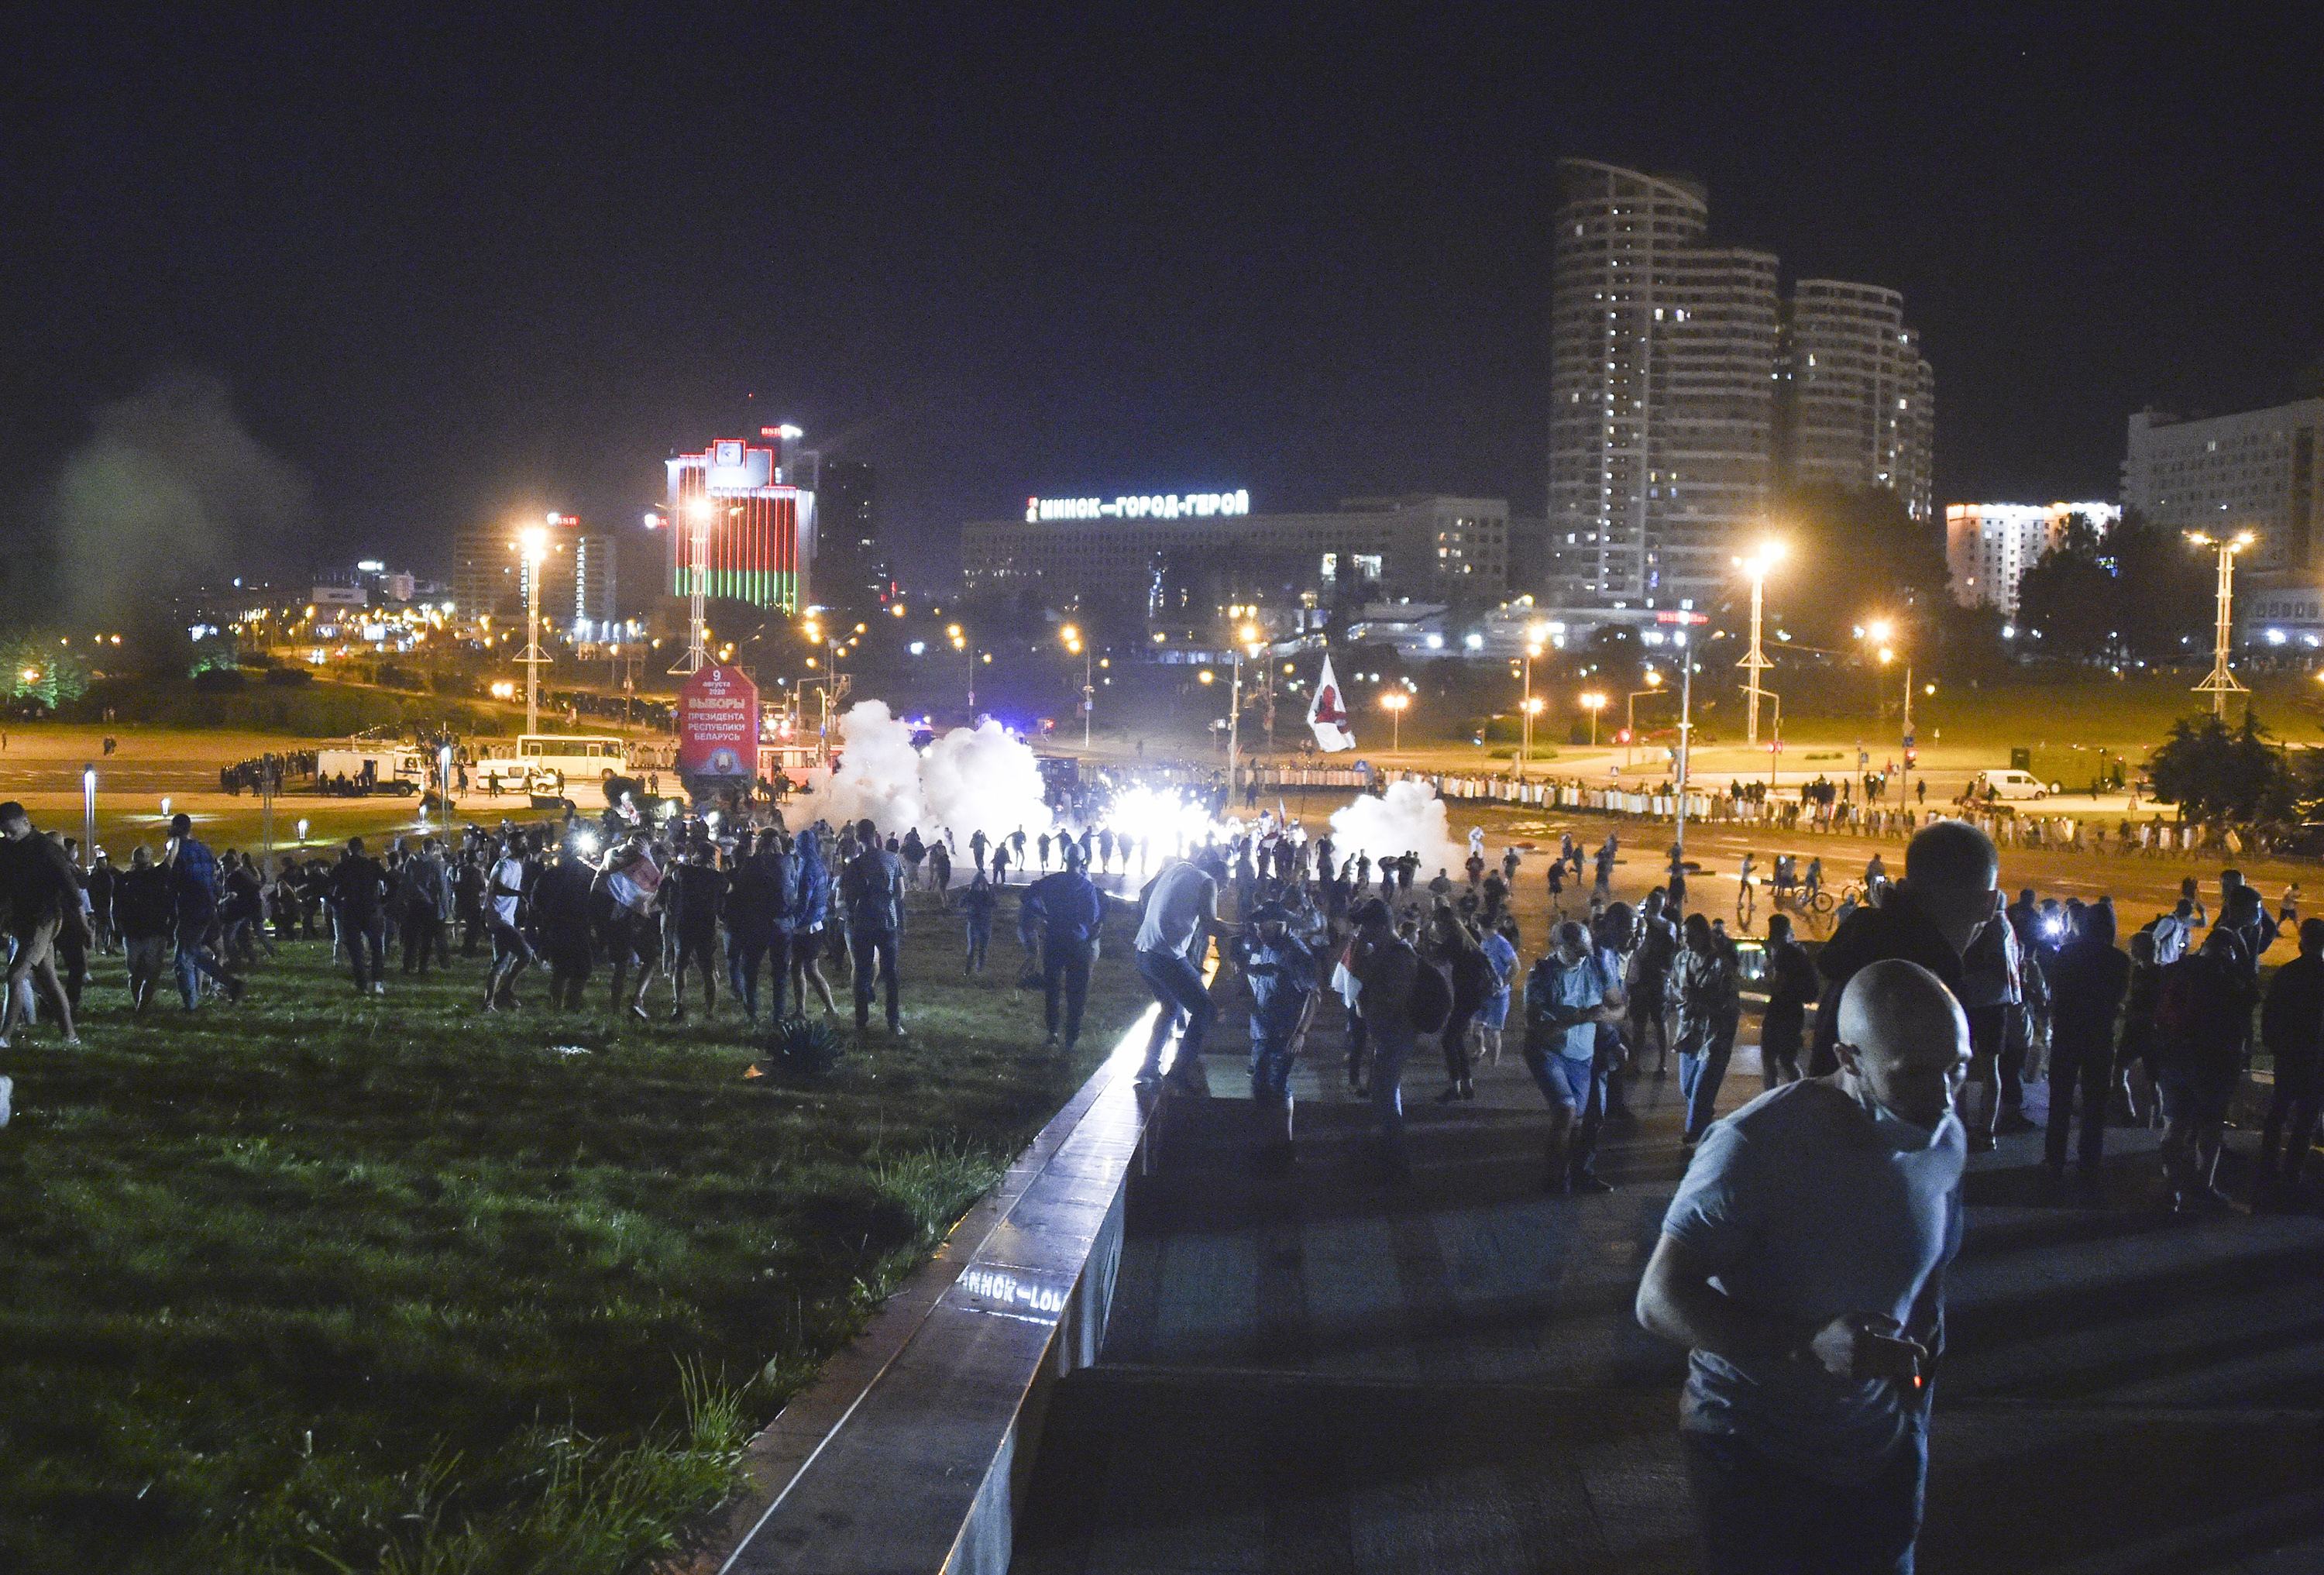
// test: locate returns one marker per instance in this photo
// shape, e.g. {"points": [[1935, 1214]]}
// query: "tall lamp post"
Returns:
{"points": [[697, 573], [1533, 649], [2220, 683], [1630, 725], [1755, 661], [1879, 629], [535, 543], [1393, 702], [1245, 635], [1593, 703], [1077, 646]]}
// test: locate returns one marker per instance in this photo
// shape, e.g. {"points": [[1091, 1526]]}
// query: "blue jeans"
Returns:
{"points": [[875, 961], [1178, 985], [1270, 1068], [194, 960], [1703, 1050], [1756, 1517]]}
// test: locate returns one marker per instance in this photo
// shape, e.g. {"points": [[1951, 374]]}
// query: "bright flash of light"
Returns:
{"points": [[1165, 819]]}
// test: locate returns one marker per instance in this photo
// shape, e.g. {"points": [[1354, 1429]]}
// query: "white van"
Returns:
{"points": [[2012, 785]]}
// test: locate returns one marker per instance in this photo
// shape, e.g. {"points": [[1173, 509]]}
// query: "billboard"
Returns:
{"points": [[718, 724]]}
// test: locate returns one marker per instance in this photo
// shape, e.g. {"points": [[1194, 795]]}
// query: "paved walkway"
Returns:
{"points": [[1322, 1372]]}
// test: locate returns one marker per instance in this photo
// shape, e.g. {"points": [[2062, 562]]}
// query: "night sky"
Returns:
{"points": [[457, 273]]}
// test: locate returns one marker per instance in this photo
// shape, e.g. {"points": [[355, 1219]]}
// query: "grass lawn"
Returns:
{"points": [[323, 1282]]}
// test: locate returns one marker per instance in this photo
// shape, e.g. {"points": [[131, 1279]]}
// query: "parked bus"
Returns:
{"points": [[556, 765]]}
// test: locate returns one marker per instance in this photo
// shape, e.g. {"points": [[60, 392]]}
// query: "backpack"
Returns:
{"points": [[2178, 1005], [1432, 998]]}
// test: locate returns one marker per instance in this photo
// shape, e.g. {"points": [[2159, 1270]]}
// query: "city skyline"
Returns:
{"points": [[447, 286]]}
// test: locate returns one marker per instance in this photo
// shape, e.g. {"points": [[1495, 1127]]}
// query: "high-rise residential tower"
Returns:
{"points": [[1855, 401], [1662, 388], [1684, 392]]}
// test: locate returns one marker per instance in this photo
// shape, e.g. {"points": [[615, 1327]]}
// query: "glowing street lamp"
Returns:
{"points": [[2220, 683], [1246, 636], [1879, 632], [1393, 703], [1593, 703], [1075, 646], [1533, 637], [1630, 709]]}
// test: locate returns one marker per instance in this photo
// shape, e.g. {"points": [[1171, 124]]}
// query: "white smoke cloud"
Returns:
{"points": [[971, 779], [1408, 817], [170, 488]]}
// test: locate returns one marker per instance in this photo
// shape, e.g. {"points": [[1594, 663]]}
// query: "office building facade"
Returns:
{"points": [[758, 523], [1988, 547], [2252, 471], [1856, 404], [1421, 545], [1672, 422], [578, 580]]}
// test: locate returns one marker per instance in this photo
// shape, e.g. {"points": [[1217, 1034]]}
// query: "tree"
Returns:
{"points": [[1853, 552], [2215, 772], [2162, 597], [2068, 601]]}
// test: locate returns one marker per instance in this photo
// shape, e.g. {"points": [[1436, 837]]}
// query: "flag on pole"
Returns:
{"points": [[1327, 714]]}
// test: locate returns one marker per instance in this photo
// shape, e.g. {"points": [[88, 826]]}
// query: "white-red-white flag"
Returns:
{"points": [[1327, 714]]}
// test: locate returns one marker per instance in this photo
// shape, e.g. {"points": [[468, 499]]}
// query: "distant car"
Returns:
{"points": [[2012, 785]]}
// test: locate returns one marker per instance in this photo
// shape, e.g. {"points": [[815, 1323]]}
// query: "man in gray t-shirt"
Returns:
{"points": [[1178, 915], [1802, 1263]]}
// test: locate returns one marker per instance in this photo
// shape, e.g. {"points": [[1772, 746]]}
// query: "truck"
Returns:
{"points": [[361, 767]]}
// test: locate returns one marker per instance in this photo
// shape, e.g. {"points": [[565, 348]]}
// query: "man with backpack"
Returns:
{"points": [[1568, 995]]}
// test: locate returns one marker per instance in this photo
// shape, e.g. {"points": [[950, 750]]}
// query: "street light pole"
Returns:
{"points": [[1685, 728], [2220, 683], [536, 552], [1525, 744], [1593, 704], [1755, 661]]}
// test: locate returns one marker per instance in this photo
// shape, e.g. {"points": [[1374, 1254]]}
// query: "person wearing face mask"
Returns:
{"points": [[1802, 1263], [1931, 917]]}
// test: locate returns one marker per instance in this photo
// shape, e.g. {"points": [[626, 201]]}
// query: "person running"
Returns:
{"points": [[807, 903], [511, 953], [1280, 972], [1802, 1264], [1791, 978], [694, 898], [40, 900], [1178, 915], [358, 902], [1066, 911], [1499, 946], [1703, 999], [1449, 944], [872, 890], [561, 910], [1568, 996], [978, 903], [194, 882], [1387, 970]]}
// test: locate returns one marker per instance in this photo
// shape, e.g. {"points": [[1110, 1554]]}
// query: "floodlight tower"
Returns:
{"points": [[534, 541], [2221, 683], [1755, 661], [697, 556]]}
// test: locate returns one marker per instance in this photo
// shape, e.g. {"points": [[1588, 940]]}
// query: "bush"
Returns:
{"points": [[391, 676], [802, 1047], [220, 681], [289, 678]]}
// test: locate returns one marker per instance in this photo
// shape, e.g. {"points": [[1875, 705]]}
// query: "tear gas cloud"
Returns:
{"points": [[1407, 817], [170, 489], [971, 779]]}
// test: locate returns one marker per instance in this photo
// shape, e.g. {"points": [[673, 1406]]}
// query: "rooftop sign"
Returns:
{"points": [[1143, 506]]}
